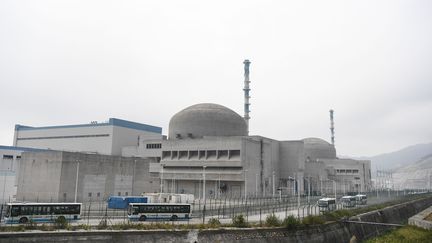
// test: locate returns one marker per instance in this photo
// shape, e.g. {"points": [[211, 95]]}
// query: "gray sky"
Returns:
{"points": [[72, 62]]}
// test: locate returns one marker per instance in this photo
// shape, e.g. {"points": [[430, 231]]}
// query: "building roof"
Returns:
{"points": [[206, 119], [111, 122], [24, 149], [313, 140]]}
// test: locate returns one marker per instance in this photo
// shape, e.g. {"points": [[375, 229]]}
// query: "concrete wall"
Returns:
{"points": [[52, 176], [39, 176]]}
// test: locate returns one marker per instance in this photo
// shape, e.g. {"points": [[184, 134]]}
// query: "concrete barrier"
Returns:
{"points": [[332, 232], [419, 219]]}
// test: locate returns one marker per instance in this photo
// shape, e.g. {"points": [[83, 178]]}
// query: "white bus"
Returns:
{"points": [[327, 204], [361, 199], [41, 212], [153, 211], [348, 201]]}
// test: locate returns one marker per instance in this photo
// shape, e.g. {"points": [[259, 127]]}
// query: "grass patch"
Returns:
{"points": [[407, 233], [313, 220]]}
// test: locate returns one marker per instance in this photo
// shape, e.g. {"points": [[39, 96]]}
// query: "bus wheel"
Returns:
{"points": [[23, 220], [174, 218], [142, 218]]}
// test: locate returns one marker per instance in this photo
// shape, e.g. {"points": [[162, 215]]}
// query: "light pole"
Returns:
{"points": [[218, 189], [245, 183], [309, 189], [204, 185], [273, 182], [256, 185], [334, 188], [133, 178], [204, 193], [76, 181]]}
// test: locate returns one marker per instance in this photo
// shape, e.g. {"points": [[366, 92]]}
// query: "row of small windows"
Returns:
{"points": [[201, 154], [154, 146], [98, 194], [347, 171], [6, 156], [45, 210]]}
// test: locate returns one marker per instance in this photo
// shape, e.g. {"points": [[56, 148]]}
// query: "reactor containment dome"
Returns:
{"points": [[206, 119]]}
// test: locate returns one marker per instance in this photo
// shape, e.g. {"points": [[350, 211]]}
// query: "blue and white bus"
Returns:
{"points": [[41, 212], [155, 211]]}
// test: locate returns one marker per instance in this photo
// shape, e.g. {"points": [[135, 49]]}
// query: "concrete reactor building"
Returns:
{"points": [[211, 141]]}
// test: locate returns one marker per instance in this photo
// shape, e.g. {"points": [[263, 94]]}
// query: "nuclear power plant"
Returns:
{"points": [[208, 151]]}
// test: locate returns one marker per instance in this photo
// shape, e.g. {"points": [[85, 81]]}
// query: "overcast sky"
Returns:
{"points": [[72, 62]]}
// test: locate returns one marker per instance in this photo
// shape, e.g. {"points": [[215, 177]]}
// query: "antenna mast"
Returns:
{"points": [[246, 90]]}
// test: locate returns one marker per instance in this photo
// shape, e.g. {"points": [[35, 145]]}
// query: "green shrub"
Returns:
{"points": [[272, 220], [61, 223], [30, 225], [45, 227], [239, 221], [84, 227], [291, 222], [313, 220], [103, 224], [214, 223], [338, 214]]}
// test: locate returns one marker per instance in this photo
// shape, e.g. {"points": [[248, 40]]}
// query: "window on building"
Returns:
{"points": [[355, 171], [89, 194], [6, 156], [119, 193], [98, 194], [233, 154], [18, 157], [183, 154], [153, 145], [166, 154], [126, 193]]}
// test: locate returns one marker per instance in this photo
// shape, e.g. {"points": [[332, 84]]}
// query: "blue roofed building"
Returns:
{"points": [[103, 138]]}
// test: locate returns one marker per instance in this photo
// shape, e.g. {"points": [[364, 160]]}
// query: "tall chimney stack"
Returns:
{"points": [[332, 127], [246, 90]]}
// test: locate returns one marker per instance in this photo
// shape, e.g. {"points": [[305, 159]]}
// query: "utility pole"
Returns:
{"points": [[76, 181]]}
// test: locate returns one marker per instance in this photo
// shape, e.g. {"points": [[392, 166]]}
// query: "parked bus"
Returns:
{"points": [[154, 211], [327, 204], [41, 212], [361, 199], [348, 201]]}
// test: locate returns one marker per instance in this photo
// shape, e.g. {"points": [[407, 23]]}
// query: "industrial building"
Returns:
{"points": [[103, 138], [59, 176], [210, 141]]}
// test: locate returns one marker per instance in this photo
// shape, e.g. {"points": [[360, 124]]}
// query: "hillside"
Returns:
{"points": [[401, 158]]}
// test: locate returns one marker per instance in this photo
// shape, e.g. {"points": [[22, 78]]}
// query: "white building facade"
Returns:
{"points": [[104, 138]]}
